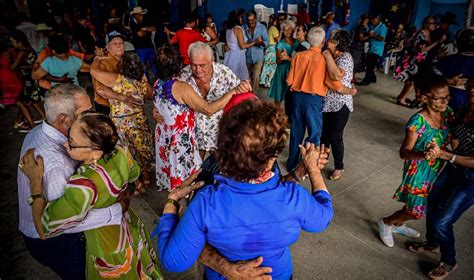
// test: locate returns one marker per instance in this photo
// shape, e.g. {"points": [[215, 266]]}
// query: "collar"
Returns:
{"points": [[53, 133], [244, 187], [188, 28], [315, 49]]}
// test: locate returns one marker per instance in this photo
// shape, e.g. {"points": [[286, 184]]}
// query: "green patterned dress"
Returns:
{"points": [[420, 174], [118, 251]]}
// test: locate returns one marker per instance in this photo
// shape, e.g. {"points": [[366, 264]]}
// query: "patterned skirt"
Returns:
{"points": [[269, 67], [134, 132]]}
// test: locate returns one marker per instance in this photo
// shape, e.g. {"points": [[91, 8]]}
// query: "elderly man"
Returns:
{"points": [[254, 55], [211, 81], [141, 38], [116, 49], [64, 254], [376, 46], [308, 81]]}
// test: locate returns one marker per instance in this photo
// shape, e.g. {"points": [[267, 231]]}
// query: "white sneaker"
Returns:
{"points": [[385, 233], [404, 230]]}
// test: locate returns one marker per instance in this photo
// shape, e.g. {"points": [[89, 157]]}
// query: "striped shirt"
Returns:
{"points": [[58, 167]]}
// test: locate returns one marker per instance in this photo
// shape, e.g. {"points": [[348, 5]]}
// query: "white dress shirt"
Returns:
{"points": [[58, 168]]}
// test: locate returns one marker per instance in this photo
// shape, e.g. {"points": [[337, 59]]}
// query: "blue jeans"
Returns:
{"points": [[65, 254], [451, 196], [307, 113], [147, 54]]}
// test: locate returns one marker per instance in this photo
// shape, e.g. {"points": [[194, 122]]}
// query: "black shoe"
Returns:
{"points": [[362, 83]]}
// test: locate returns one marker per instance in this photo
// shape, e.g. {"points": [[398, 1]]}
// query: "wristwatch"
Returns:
{"points": [[453, 159], [34, 197]]}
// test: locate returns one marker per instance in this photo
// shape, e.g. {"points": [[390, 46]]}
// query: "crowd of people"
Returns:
{"points": [[215, 143]]}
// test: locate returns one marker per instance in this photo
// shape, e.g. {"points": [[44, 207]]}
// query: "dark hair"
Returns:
{"points": [[250, 134], [465, 40], [426, 81], [271, 19], [208, 15], [19, 36], [233, 18], [132, 67], [304, 25], [343, 39], [252, 13], [168, 61], [58, 44], [469, 84], [100, 130]]}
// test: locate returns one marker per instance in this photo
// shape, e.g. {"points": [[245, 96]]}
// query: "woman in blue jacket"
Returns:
{"points": [[248, 212]]}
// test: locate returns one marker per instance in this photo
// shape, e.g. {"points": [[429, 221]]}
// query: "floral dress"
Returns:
{"points": [[132, 123], [120, 251], [177, 154], [420, 174], [412, 58], [30, 86], [269, 61]]}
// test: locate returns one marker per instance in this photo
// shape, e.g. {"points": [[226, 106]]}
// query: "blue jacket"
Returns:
{"points": [[243, 221]]}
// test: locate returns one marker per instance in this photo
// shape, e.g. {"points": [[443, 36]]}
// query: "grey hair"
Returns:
{"points": [[61, 100], [316, 36], [199, 47], [289, 23]]}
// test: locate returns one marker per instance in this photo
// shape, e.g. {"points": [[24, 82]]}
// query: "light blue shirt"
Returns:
{"points": [[58, 67], [243, 221], [377, 46], [255, 53]]}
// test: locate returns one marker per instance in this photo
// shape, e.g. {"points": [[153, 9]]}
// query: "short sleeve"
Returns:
{"points": [[77, 62], [118, 85], [280, 46], [46, 64], [132, 165], [415, 123]]}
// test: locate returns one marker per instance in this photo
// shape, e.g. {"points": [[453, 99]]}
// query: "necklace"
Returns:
{"points": [[437, 124]]}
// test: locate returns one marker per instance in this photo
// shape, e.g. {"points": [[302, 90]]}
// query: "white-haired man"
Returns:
{"points": [[309, 84], [64, 254], [211, 81]]}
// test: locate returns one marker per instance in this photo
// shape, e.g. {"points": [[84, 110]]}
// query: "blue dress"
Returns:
{"points": [[279, 87], [235, 57], [243, 221]]}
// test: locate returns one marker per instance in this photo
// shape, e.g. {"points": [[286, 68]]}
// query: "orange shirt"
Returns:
{"points": [[108, 64], [308, 73], [47, 52]]}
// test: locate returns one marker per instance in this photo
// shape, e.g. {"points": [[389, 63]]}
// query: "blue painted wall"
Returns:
{"points": [[424, 8]]}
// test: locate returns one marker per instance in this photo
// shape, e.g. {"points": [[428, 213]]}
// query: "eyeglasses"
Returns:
{"points": [[71, 145], [437, 99], [431, 22]]}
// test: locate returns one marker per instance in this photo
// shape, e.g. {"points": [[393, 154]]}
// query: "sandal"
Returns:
{"points": [[441, 271], [404, 104], [421, 247], [334, 177]]}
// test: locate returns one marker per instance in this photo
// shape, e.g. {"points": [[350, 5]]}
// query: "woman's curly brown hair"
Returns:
{"points": [[250, 134]]}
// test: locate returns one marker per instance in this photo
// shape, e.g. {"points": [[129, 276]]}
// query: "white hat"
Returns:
{"points": [[42, 27], [138, 10]]}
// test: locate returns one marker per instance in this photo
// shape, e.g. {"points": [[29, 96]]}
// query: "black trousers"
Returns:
{"points": [[101, 108], [64, 254], [372, 61], [333, 132]]}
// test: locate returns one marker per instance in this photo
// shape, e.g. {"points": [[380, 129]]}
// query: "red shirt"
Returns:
{"points": [[184, 38]]}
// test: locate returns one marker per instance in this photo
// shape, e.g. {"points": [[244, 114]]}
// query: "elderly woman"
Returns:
{"points": [[240, 216], [284, 50], [177, 155], [130, 88], [112, 251], [337, 105]]}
